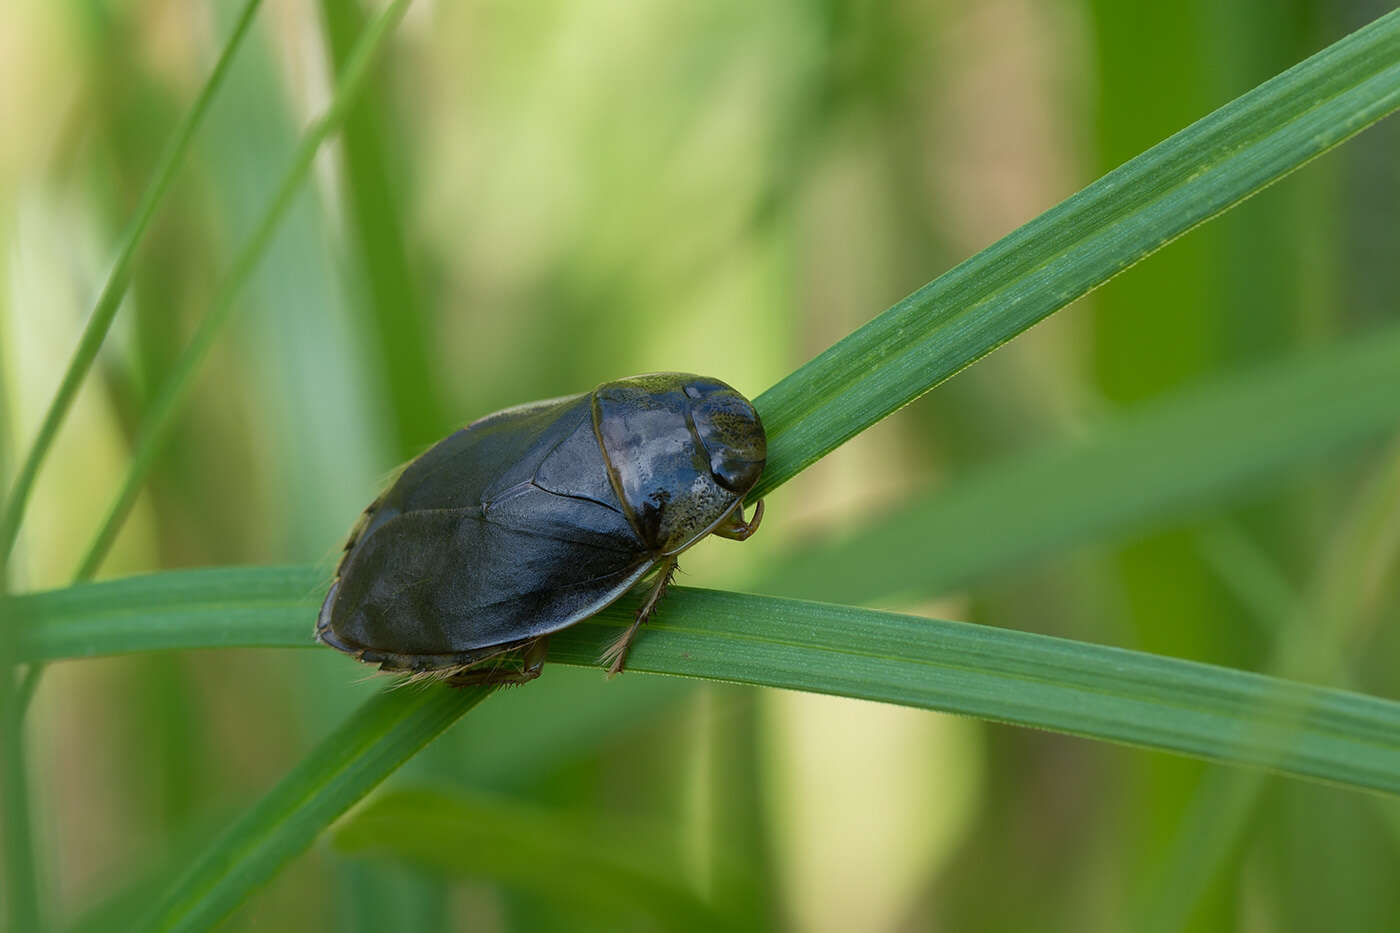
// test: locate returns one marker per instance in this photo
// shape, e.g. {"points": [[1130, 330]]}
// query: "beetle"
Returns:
{"points": [[538, 516]]}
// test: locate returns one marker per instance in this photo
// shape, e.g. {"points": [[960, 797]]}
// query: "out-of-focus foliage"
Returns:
{"points": [[536, 197]]}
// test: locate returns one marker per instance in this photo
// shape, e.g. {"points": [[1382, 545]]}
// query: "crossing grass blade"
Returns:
{"points": [[1008, 676], [382, 734], [619, 871]]}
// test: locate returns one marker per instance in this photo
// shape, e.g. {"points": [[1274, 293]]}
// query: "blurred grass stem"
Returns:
{"points": [[22, 888], [1308, 646], [370, 745], [177, 388], [22, 897], [21, 877], [110, 299], [1076, 246]]}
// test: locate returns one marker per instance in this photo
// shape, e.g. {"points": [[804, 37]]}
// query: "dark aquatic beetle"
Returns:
{"points": [[538, 516]]}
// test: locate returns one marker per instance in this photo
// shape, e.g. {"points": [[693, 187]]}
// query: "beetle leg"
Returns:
{"points": [[534, 656], [735, 528], [535, 653], [617, 651]]}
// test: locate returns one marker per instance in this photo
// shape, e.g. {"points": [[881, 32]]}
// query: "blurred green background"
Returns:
{"points": [[533, 198]]}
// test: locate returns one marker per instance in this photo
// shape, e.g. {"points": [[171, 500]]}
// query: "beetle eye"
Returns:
{"points": [[733, 474], [728, 427]]}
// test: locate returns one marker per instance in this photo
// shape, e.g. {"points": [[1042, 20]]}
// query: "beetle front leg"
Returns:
{"points": [[735, 528], [617, 651]]}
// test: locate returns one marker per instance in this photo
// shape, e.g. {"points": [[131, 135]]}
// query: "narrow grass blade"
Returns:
{"points": [[211, 608], [110, 299], [381, 735], [1080, 244], [622, 872], [1090, 690], [177, 388], [21, 877], [1008, 676], [21, 892], [393, 313], [1143, 467], [561, 720], [1312, 632]]}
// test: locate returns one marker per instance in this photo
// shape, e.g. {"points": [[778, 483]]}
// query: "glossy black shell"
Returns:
{"points": [[538, 516]]}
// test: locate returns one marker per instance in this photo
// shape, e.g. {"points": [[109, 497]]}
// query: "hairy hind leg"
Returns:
{"points": [[617, 651]]}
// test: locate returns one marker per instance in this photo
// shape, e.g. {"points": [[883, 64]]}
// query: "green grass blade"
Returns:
{"points": [[1080, 244], [269, 607], [21, 878], [381, 735], [1312, 633], [180, 383], [110, 299], [621, 871], [1144, 467], [393, 313], [1033, 680], [22, 886]]}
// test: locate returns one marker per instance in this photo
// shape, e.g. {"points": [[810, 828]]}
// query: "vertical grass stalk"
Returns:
{"points": [[21, 877]]}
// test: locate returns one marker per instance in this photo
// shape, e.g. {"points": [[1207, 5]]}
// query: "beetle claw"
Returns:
{"points": [[735, 528]]}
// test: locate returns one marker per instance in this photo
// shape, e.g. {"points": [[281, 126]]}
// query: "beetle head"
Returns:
{"points": [[731, 432]]}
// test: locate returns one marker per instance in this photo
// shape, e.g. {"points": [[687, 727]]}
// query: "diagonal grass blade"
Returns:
{"points": [[1078, 245]]}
